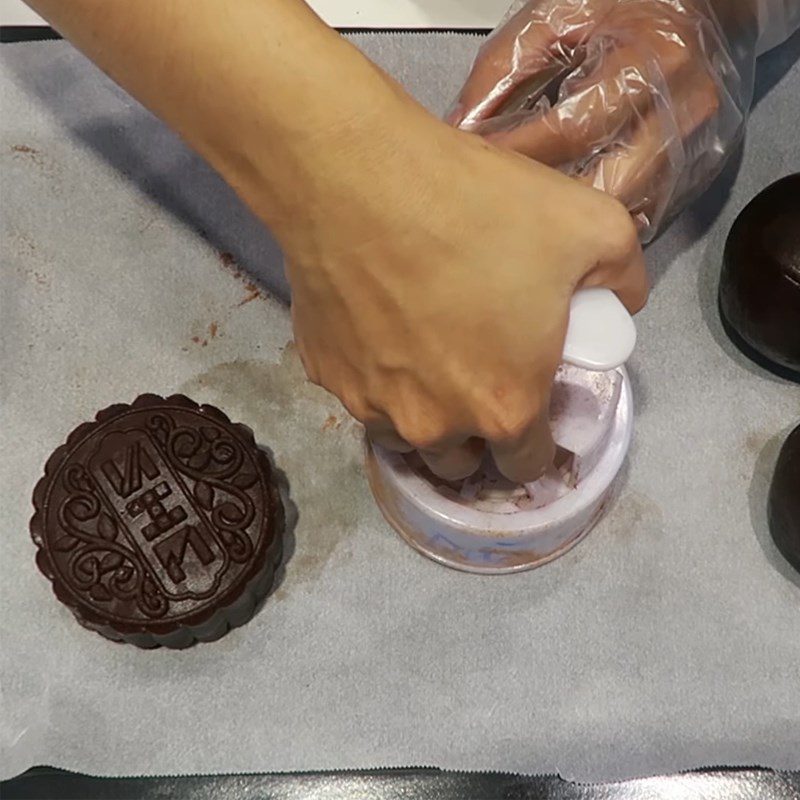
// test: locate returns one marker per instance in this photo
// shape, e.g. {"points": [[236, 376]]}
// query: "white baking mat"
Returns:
{"points": [[668, 639]]}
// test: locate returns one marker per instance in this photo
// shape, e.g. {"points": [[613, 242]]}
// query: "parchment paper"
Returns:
{"points": [[669, 639]]}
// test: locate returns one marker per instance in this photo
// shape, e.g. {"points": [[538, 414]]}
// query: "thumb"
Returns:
{"points": [[517, 60], [621, 266]]}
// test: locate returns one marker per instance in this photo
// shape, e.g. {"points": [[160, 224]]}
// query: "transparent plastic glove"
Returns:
{"points": [[643, 99]]}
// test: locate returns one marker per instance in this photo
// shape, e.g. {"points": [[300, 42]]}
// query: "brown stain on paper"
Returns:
{"points": [[253, 293], [32, 264], [213, 332], [755, 442], [24, 149], [46, 166], [323, 466], [332, 423], [252, 290], [633, 513], [229, 263]]}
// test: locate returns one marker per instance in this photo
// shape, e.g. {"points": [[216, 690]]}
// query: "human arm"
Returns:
{"points": [[424, 296]]}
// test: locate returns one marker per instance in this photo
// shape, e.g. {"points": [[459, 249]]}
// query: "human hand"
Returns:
{"points": [[431, 294], [431, 273], [647, 100]]}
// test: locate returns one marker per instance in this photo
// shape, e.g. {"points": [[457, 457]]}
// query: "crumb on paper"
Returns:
{"points": [[198, 340], [227, 258], [30, 153], [332, 423], [213, 329], [253, 291]]}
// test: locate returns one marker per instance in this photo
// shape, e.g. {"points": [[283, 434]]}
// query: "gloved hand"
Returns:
{"points": [[644, 99]]}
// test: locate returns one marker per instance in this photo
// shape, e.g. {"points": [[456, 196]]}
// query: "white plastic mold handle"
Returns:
{"points": [[601, 334]]}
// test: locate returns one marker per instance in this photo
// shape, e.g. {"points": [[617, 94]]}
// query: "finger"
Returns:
{"points": [[519, 59], [380, 430], [614, 86], [525, 458], [639, 173], [633, 288], [456, 462], [498, 69], [596, 104], [627, 278], [644, 172], [621, 266], [389, 440]]}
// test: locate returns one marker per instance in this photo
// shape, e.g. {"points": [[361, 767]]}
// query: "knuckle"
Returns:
{"points": [[393, 442], [621, 237], [676, 55], [507, 422], [712, 100], [423, 434], [428, 440], [523, 474], [356, 407]]}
